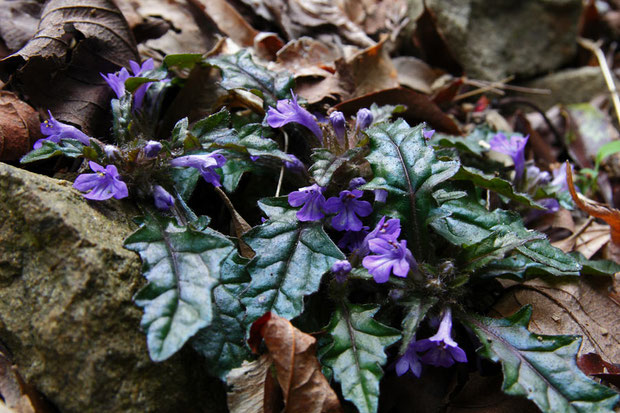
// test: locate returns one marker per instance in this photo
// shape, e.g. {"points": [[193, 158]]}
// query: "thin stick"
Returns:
{"points": [[602, 62], [282, 168]]}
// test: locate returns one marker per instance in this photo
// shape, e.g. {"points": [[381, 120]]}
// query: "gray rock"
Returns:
{"points": [[66, 312], [492, 39], [568, 86]]}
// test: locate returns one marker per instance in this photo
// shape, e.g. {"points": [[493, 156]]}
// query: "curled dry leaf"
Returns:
{"points": [[593, 365], [247, 386], [587, 308], [19, 127], [607, 214], [415, 73], [59, 68], [419, 108], [587, 240], [298, 371], [18, 21], [228, 20]]}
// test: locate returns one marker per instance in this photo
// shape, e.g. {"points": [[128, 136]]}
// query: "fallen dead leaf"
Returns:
{"points": [[18, 21], [247, 386], [419, 108], [593, 365], [565, 306], [415, 73], [16, 396], [59, 69], [19, 127], [372, 70], [607, 214], [298, 371], [228, 20], [588, 241]]}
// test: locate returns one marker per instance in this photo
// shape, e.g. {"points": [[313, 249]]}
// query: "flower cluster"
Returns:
{"points": [[117, 80], [439, 350], [55, 131]]}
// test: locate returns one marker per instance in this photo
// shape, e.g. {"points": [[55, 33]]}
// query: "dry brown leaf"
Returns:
{"points": [[308, 57], [59, 69], [419, 108], [247, 386], [19, 127], [372, 70], [228, 20], [593, 365], [415, 73], [588, 242], [18, 21], [18, 396], [607, 214], [298, 371], [565, 306]]}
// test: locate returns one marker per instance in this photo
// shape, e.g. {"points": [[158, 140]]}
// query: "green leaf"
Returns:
{"points": [[355, 352], [495, 184], [407, 168], [182, 266], [384, 113], [541, 368], [222, 343], [214, 129], [182, 61], [486, 235], [179, 132], [68, 147], [326, 164], [596, 267], [469, 144], [239, 71], [416, 309], [291, 258]]}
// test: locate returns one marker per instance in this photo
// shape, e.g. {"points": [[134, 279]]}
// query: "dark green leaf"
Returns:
{"points": [[416, 309], [179, 132], [355, 351], [326, 164], [68, 147], [407, 168], [495, 184], [222, 343], [121, 118], [185, 180], [466, 223], [596, 267], [214, 129], [182, 61], [541, 368], [182, 266], [385, 112], [291, 258], [469, 144], [239, 71], [277, 208]]}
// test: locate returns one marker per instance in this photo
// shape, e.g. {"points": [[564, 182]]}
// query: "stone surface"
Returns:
{"points": [[492, 39], [66, 313], [568, 86]]}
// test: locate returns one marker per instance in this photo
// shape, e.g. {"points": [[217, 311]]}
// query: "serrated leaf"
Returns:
{"points": [[595, 267], [291, 258], [355, 352], [469, 144], [71, 148], [179, 132], [222, 343], [465, 223], [182, 266], [214, 129], [495, 184], [278, 208], [541, 368], [416, 309], [407, 168], [239, 71], [326, 164]]}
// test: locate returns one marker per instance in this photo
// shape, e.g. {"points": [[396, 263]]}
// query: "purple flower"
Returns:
{"points": [[163, 199], [356, 182], [205, 163], [139, 71], [104, 184], [389, 230], [339, 125], [440, 349], [348, 207], [313, 201], [515, 148], [341, 269], [295, 165], [151, 149], [409, 361], [551, 206], [288, 111], [117, 81], [380, 195], [428, 134], [56, 131], [391, 257], [559, 177], [363, 119], [534, 178], [353, 240]]}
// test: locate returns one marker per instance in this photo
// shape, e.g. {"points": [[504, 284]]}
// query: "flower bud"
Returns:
{"points": [[151, 149], [339, 124], [364, 119], [163, 199]]}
